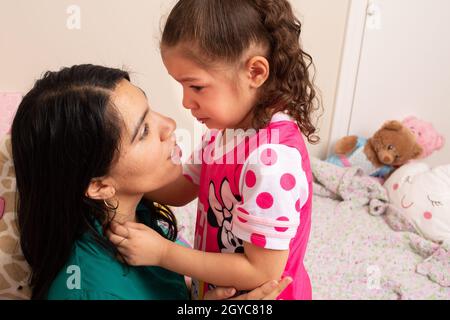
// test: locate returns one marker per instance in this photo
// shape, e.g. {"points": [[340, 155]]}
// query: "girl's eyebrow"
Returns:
{"points": [[141, 120], [188, 79]]}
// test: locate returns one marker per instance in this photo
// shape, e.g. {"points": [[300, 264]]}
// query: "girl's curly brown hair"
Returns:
{"points": [[225, 29]]}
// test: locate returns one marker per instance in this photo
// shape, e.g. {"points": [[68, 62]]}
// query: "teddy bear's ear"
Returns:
{"points": [[393, 125], [440, 142], [410, 118]]}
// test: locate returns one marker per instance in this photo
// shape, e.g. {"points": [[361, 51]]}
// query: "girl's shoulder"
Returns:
{"points": [[284, 130]]}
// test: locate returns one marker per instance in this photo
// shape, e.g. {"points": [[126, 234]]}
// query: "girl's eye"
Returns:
{"points": [[197, 88], [145, 132], [390, 147]]}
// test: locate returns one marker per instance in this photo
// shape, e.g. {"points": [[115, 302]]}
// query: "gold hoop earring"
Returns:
{"points": [[111, 207]]}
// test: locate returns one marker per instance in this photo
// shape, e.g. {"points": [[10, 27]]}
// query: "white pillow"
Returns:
{"points": [[422, 195]]}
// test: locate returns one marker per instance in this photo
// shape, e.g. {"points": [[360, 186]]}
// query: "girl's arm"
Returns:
{"points": [[140, 245], [242, 271], [177, 194]]}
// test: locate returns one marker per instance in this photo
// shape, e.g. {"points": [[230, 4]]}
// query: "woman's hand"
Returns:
{"points": [[268, 291], [138, 244]]}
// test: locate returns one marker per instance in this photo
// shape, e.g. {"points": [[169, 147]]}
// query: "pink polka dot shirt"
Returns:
{"points": [[257, 188]]}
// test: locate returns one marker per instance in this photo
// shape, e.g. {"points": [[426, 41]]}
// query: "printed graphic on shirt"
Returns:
{"points": [[220, 215]]}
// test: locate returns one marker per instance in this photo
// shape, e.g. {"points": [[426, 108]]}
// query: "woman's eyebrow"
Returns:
{"points": [[142, 91], [141, 120]]}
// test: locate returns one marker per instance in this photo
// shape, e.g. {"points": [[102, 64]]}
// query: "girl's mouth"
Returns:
{"points": [[202, 120]]}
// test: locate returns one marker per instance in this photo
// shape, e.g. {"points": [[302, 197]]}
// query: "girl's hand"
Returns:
{"points": [[138, 244], [268, 291]]}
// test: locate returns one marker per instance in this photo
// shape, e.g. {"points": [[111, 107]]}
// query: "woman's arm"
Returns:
{"points": [[268, 291], [140, 245], [177, 194]]}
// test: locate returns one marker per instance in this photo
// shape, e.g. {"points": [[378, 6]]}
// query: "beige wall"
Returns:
{"points": [[324, 25], [413, 76], [34, 38]]}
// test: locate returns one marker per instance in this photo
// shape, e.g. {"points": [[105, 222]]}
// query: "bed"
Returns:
{"points": [[353, 254]]}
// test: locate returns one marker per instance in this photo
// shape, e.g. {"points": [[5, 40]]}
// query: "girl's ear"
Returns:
{"points": [[258, 71], [101, 189]]}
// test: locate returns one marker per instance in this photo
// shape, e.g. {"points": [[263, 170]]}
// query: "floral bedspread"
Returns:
{"points": [[352, 252], [354, 255]]}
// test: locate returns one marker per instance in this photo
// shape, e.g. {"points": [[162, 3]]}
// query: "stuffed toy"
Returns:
{"points": [[390, 147], [426, 135], [14, 270], [420, 201]]}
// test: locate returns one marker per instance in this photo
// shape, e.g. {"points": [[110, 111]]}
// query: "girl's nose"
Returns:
{"points": [[188, 103]]}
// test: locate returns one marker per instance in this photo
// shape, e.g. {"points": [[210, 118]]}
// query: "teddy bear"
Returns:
{"points": [[14, 270], [390, 147], [426, 135], [420, 200]]}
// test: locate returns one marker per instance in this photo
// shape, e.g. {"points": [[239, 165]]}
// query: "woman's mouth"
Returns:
{"points": [[176, 154]]}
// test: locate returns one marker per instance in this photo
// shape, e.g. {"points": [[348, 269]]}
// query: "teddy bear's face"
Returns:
{"points": [[425, 134], [395, 147], [394, 144], [423, 196]]}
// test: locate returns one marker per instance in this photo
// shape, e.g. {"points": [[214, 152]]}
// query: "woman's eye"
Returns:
{"points": [[390, 147], [145, 131]]}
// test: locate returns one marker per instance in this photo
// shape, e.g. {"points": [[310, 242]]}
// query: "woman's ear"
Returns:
{"points": [[258, 71], [100, 189]]}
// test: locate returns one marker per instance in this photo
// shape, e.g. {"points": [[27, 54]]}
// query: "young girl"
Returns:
{"points": [[241, 67]]}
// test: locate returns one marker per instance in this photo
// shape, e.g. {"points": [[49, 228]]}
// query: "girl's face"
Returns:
{"points": [[220, 97], [148, 158]]}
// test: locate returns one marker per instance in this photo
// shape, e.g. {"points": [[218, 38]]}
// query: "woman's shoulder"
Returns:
{"points": [[83, 295], [93, 273], [89, 270]]}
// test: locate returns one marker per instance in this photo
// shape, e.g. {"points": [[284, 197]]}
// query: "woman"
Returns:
{"points": [[86, 147]]}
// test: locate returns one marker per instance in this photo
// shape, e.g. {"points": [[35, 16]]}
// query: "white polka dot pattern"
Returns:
{"points": [[274, 188]]}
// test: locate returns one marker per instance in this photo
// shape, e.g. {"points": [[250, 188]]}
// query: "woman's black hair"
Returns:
{"points": [[67, 132]]}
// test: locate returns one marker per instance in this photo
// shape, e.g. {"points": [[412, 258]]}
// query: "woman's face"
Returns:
{"points": [[149, 157]]}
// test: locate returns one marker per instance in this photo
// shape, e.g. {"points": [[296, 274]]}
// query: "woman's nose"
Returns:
{"points": [[167, 128]]}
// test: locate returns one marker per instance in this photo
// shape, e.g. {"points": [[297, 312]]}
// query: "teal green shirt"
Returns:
{"points": [[92, 273]]}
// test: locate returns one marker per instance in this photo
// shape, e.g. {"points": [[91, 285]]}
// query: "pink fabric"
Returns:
{"points": [[345, 161], [229, 210]]}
